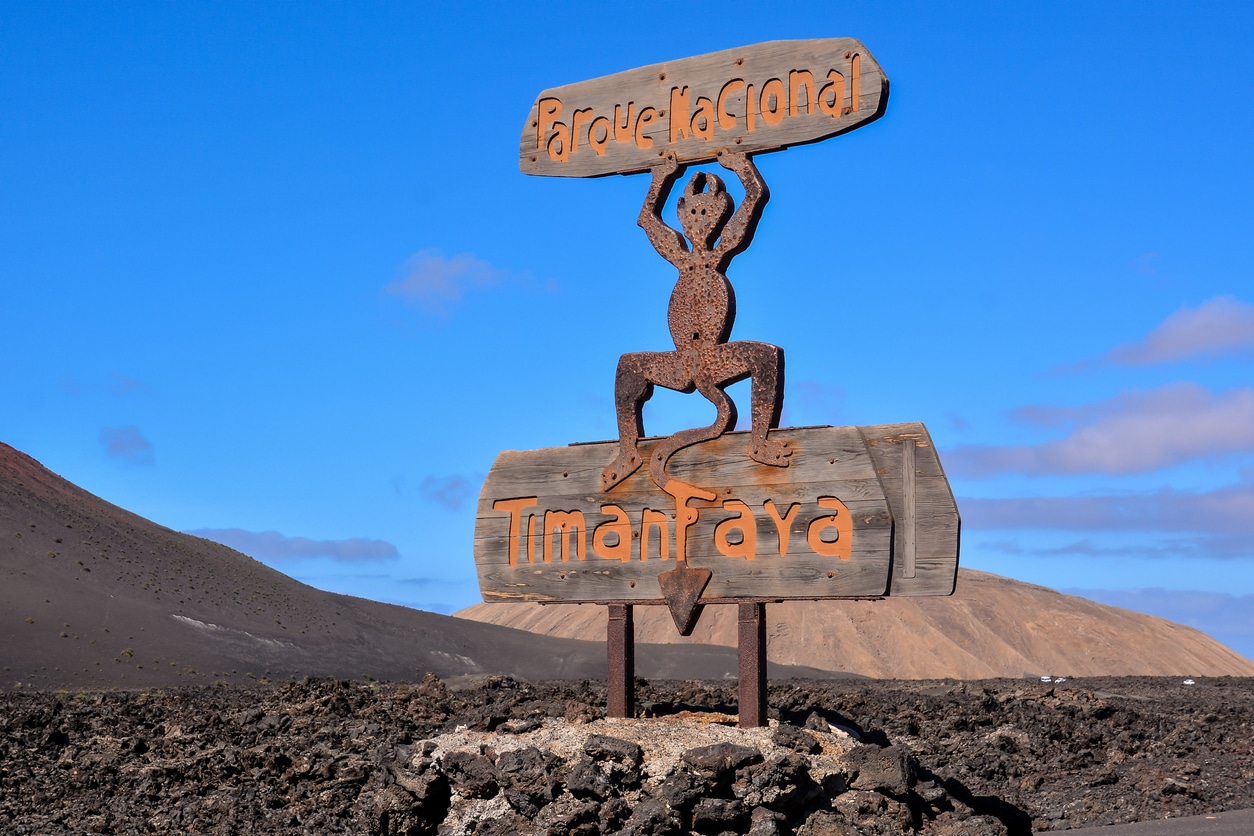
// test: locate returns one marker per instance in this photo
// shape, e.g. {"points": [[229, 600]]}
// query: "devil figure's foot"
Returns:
{"points": [[774, 453], [627, 463]]}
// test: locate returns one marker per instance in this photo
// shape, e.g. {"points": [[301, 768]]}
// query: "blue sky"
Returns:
{"points": [[273, 272]]}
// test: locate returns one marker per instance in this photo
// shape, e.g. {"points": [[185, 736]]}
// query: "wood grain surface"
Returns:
{"points": [[821, 528], [934, 537], [759, 98]]}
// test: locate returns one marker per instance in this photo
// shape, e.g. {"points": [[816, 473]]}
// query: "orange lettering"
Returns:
{"points": [[842, 546], [726, 120], [559, 143], [742, 522], [655, 520], [533, 537], [799, 80], [750, 106], [648, 116], [583, 116], [550, 110], [832, 97], [679, 114], [772, 102], [622, 127], [704, 115], [855, 86], [599, 144], [514, 507], [569, 526], [620, 527], [783, 523]]}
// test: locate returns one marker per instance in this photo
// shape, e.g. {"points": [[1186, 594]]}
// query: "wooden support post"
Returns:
{"points": [[752, 658], [620, 642]]}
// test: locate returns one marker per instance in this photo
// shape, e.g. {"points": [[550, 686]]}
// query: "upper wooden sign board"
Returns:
{"points": [[755, 99], [860, 512]]}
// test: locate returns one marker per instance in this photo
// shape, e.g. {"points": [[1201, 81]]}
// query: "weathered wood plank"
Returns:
{"points": [[758, 98], [820, 528], [908, 519], [937, 524]]}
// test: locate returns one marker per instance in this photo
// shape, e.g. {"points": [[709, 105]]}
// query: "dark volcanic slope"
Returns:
{"points": [[95, 596]]}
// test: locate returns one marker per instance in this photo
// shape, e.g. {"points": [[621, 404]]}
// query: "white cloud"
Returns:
{"points": [[449, 491], [127, 443], [272, 545], [433, 282], [1218, 327], [1225, 515], [1134, 432], [117, 384]]}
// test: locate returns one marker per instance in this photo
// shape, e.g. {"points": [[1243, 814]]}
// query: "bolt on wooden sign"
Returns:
{"points": [[706, 514]]}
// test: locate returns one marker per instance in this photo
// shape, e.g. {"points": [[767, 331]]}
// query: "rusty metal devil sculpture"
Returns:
{"points": [[701, 312]]}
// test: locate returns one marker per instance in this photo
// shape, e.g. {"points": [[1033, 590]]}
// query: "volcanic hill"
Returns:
{"points": [[991, 627], [93, 596]]}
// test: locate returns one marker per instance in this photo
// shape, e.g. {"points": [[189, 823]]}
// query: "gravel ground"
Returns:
{"points": [[326, 756]]}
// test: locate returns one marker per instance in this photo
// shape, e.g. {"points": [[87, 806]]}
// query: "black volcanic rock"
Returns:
{"points": [[329, 756], [716, 815], [529, 776], [883, 769], [472, 775], [794, 738], [721, 759], [603, 747], [682, 789]]}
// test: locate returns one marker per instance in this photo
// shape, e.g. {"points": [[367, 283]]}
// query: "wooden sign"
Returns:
{"points": [[860, 512], [754, 99]]}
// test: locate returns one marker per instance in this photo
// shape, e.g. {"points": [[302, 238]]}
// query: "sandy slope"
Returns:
{"points": [[991, 627]]}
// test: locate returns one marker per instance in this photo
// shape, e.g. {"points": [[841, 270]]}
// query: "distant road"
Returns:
{"points": [[1231, 823]]}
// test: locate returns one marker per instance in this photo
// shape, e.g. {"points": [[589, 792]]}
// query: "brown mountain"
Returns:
{"points": [[92, 595], [991, 627]]}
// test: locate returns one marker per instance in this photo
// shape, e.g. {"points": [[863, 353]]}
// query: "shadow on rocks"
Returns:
{"points": [[820, 719]]}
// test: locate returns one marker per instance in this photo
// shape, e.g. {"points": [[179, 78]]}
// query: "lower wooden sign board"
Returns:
{"points": [[860, 512]]}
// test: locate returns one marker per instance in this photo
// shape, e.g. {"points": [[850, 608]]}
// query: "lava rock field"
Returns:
{"points": [[329, 756]]}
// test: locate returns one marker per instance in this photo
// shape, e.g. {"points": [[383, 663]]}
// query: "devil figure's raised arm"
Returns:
{"points": [[740, 228], [669, 242]]}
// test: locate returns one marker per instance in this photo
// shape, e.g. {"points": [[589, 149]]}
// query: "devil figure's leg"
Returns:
{"points": [[633, 385], [723, 421], [767, 395], [763, 364]]}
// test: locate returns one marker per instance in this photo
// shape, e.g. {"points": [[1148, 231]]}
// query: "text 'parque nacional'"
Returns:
{"points": [[754, 99]]}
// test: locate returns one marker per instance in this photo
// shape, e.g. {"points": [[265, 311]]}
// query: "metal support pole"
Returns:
{"points": [[752, 657], [620, 642]]}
